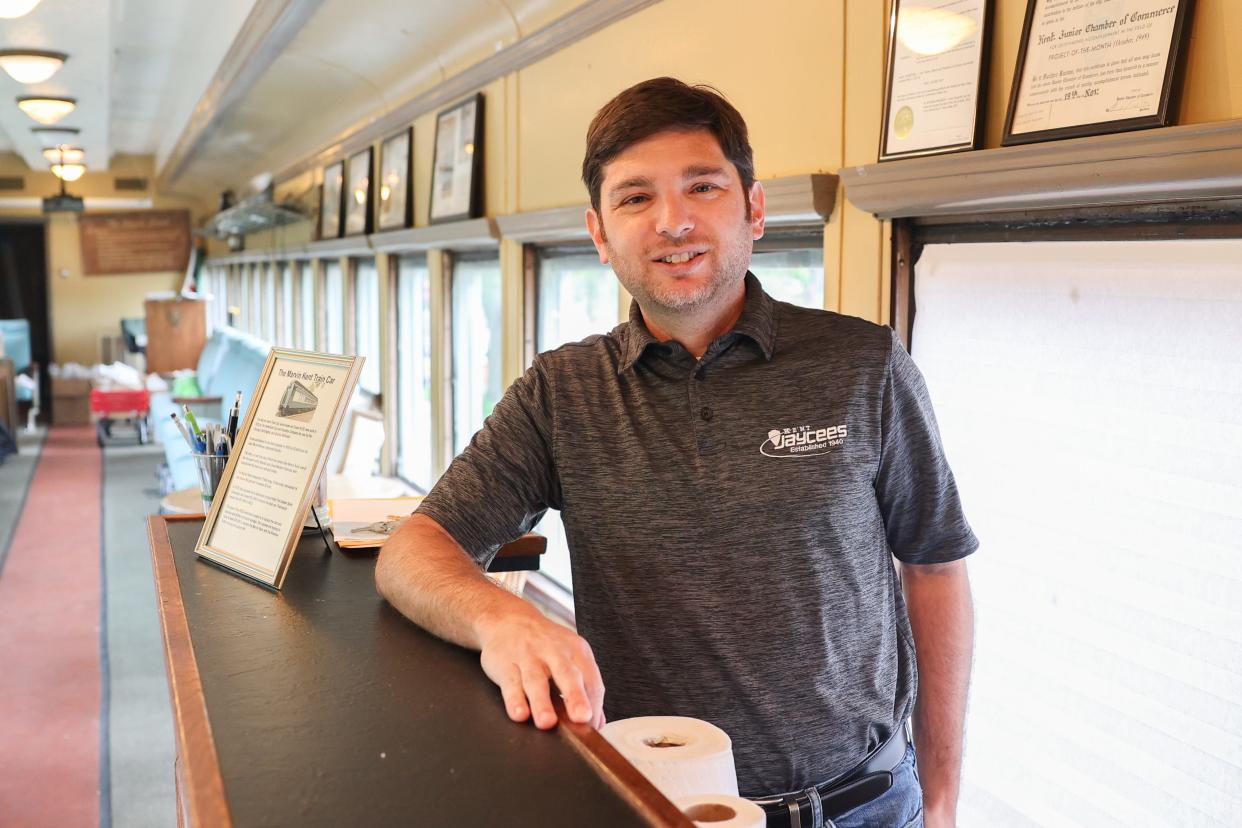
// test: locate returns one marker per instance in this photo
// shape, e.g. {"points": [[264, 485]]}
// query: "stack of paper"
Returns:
{"points": [[367, 523]]}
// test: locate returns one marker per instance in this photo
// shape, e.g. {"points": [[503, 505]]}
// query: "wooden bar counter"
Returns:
{"points": [[320, 705]]}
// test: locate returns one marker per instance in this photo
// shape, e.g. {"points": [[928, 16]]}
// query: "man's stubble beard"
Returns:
{"points": [[733, 260]]}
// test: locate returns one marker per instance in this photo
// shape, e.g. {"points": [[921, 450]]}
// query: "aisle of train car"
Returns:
{"points": [[85, 734]]}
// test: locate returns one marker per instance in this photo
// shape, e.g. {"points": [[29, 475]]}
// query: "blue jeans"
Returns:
{"points": [[901, 806]]}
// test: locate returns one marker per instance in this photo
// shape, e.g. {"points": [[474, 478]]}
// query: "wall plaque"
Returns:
{"points": [[143, 241]]}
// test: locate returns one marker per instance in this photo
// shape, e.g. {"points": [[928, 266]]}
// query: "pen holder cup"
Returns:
{"points": [[210, 469]]}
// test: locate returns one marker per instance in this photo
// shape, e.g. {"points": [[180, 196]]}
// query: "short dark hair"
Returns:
{"points": [[658, 105]]}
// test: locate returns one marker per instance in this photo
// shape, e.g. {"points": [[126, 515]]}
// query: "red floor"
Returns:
{"points": [[49, 642]]}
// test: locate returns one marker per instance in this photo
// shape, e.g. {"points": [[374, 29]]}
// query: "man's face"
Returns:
{"points": [[672, 221]]}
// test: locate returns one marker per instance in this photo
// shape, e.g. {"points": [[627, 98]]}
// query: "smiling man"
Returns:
{"points": [[662, 443]]}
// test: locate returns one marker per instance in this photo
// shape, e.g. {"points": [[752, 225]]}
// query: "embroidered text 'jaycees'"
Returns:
{"points": [[802, 441]]}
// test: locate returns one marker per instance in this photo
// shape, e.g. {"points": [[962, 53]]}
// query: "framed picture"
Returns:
{"points": [[457, 170], [396, 185], [936, 77], [1095, 68], [330, 200], [358, 195], [276, 461]]}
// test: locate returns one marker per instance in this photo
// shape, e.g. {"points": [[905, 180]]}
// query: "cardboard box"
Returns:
{"points": [[71, 401]]}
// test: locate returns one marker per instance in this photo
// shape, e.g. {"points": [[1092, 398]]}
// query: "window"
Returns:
{"points": [[285, 307], [1087, 394], [791, 268], [269, 305], [334, 303], [307, 307], [578, 297], [236, 294], [367, 323], [413, 395], [477, 384]]}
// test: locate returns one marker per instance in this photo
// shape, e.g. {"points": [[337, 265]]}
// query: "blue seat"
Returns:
{"points": [[231, 361], [15, 334]]}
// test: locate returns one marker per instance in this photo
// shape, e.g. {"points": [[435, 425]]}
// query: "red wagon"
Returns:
{"points": [[127, 404]]}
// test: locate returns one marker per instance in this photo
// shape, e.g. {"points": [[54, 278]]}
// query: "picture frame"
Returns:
{"points": [[1112, 66], [395, 205], [276, 462], [457, 162], [936, 78], [331, 204], [359, 194]]}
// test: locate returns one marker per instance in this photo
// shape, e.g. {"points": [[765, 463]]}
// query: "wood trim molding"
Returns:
{"points": [[201, 787], [653, 806], [470, 234], [270, 27], [586, 19], [1197, 162]]}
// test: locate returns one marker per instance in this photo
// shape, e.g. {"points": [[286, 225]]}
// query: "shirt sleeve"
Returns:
{"points": [[918, 497], [504, 481]]}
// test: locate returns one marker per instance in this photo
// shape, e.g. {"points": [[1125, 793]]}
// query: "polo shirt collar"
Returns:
{"points": [[758, 322]]}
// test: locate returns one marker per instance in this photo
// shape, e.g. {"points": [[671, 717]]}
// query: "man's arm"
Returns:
{"points": [[942, 618], [431, 580]]}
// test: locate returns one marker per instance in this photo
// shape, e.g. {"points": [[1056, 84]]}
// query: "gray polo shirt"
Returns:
{"points": [[731, 522]]}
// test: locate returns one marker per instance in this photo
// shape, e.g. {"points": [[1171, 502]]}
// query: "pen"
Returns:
{"points": [[232, 428], [184, 433], [193, 422]]}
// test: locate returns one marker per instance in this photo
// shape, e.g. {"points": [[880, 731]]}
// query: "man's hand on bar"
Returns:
{"points": [[522, 651]]}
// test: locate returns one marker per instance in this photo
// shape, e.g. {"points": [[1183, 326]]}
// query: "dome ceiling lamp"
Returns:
{"points": [[17, 8], [56, 136], [68, 172], [46, 110], [31, 65], [64, 154]]}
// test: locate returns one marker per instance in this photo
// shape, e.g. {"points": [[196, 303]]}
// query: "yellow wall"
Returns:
{"points": [[82, 308]]}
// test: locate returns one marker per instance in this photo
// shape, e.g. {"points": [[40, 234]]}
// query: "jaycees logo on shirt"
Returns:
{"points": [[802, 441]]}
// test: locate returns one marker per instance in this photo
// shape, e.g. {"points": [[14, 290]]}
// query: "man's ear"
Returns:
{"points": [[758, 210], [595, 226]]}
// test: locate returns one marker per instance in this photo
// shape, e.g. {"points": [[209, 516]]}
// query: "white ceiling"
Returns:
{"points": [[139, 69]]}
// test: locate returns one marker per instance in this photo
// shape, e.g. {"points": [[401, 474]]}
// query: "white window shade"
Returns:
{"points": [[1090, 399]]}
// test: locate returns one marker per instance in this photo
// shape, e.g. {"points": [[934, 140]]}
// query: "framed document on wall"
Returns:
{"points": [[936, 78], [1090, 68], [330, 200], [277, 460], [457, 168], [396, 185], [358, 193]]}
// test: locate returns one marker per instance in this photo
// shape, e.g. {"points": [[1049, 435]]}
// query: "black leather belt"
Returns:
{"points": [[829, 800]]}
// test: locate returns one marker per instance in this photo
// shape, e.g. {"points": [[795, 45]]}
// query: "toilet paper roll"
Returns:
{"points": [[719, 811], [681, 756]]}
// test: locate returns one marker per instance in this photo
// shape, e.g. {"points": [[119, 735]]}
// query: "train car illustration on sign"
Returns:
{"points": [[297, 399]]}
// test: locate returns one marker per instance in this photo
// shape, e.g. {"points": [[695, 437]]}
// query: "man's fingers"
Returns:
{"points": [[594, 688], [535, 683], [569, 680], [513, 694]]}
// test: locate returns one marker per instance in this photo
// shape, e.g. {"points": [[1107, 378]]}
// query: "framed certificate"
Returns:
{"points": [[936, 78], [457, 169], [1098, 67], [330, 200], [396, 191], [277, 460], [358, 195]]}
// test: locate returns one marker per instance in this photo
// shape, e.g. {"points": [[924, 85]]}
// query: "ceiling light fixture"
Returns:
{"points": [[31, 65], [56, 136], [17, 8], [68, 172], [64, 155], [46, 110]]}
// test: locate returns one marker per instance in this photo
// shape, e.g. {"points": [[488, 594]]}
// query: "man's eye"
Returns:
{"points": [[704, 187], [634, 199]]}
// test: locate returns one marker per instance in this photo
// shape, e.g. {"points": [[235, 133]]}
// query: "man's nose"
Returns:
{"points": [[674, 219]]}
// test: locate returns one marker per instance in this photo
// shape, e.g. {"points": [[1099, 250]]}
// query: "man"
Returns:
{"points": [[735, 476]]}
